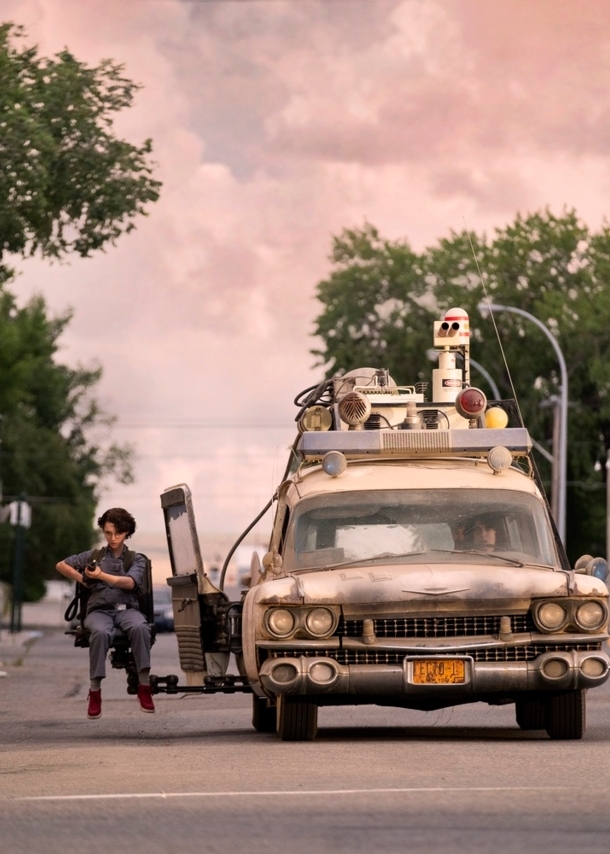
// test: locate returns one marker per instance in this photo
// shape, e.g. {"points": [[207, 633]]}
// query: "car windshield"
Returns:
{"points": [[402, 525]]}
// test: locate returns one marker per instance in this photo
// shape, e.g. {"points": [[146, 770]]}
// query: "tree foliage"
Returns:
{"points": [[67, 183], [55, 440], [381, 298]]}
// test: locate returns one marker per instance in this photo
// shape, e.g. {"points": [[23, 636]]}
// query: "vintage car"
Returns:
{"points": [[413, 562]]}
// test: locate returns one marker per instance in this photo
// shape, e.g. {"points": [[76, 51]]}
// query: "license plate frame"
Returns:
{"points": [[444, 671]]}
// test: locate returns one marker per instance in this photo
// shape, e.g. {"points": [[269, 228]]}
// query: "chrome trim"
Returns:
{"points": [[483, 678], [324, 643], [432, 645]]}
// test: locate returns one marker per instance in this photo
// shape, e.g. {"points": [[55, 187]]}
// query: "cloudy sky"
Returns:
{"points": [[276, 124]]}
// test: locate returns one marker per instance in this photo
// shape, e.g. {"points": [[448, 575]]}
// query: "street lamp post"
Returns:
{"points": [[560, 453], [496, 393]]}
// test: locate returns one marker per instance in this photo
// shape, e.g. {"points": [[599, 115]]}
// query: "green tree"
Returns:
{"points": [[381, 299], [67, 183], [55, 441]]}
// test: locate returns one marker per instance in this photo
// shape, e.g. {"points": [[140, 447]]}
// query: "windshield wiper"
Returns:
{"points": [[394, 555], [539, 565], [510, 560], [380, 556], [360, 560]]}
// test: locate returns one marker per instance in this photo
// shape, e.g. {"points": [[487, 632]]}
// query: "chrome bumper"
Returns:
{"points": [[550, 671]]}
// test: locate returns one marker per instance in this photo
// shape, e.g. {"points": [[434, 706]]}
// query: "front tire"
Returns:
{"points": [[264, 715], [297, 720], [531, 714], [566, 717]]}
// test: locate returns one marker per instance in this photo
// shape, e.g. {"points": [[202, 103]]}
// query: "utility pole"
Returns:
{"points": [[608, 506], [20, 517]]}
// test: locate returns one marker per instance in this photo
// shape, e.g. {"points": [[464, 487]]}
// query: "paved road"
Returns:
{"points": [[195, 777]]}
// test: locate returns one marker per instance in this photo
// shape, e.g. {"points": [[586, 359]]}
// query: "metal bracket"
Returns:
{"points": [[211, 685]]}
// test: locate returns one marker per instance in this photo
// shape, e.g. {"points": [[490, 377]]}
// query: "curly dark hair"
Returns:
{"points": [[123, 521]]}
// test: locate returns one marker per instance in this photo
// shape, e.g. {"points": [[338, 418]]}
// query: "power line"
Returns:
{"points": [[237, 456], [145, 496], [201, 425], [292, 2]]}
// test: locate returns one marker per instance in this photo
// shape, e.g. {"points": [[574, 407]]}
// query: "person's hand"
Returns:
{"points": [[93, 571]]}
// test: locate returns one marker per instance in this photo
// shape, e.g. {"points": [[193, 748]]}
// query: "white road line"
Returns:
{"points": [[294, 792]]}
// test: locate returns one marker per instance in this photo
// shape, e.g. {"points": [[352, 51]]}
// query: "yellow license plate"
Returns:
{"points": [[443, 671]]}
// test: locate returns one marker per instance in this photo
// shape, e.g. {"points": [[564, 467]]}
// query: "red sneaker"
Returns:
{"points": [[95, 704], [145, 698]]}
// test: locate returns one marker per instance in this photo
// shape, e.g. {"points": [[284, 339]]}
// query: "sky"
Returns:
{"points": [[276, 124]]}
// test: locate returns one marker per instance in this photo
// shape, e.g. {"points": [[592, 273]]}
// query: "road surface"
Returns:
{"points": [[195, 777]]}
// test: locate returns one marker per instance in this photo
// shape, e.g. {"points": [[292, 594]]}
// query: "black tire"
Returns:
{"points": [[264, 715], [297, 720], [566, 717], [531, 714]]}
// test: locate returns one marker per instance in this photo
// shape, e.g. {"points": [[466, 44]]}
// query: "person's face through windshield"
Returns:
{"points": [[484, 535]]}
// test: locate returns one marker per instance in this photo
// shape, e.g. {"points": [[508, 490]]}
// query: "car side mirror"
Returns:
{"points": [[595, 566], [256, 570], [272, 561]]}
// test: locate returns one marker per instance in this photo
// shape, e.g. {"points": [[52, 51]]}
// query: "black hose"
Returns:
{"points": [[225, 565], [298, 398], [72, 609], [315, 395]]}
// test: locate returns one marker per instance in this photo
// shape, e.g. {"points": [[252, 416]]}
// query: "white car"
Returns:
{"points": [[413, 562]]}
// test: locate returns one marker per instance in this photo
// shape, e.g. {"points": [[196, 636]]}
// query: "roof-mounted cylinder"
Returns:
{"points": [[452, 336]]}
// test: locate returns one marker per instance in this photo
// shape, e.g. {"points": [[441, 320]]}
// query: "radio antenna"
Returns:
{"points": [[487, 300]]}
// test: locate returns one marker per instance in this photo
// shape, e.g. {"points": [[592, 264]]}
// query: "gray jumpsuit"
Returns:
{"points": [[103, 616]]}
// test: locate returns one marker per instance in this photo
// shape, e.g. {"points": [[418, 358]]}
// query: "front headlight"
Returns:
{"points": [[320, 621], [280, 622], [591, 615], [551, 616]]}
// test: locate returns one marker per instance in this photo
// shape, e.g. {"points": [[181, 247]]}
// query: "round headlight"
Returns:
{"points": [[555, 668], [321, 672], [284, 673], [551, 615], [594, 667], [320, 621], [280, 622], [591, 615]]}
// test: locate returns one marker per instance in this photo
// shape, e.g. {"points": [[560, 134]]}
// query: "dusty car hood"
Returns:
{"points": [[423, 583]]}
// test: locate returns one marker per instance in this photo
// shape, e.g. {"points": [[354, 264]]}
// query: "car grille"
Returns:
{"points": [[505, 653], [437, 627]]}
